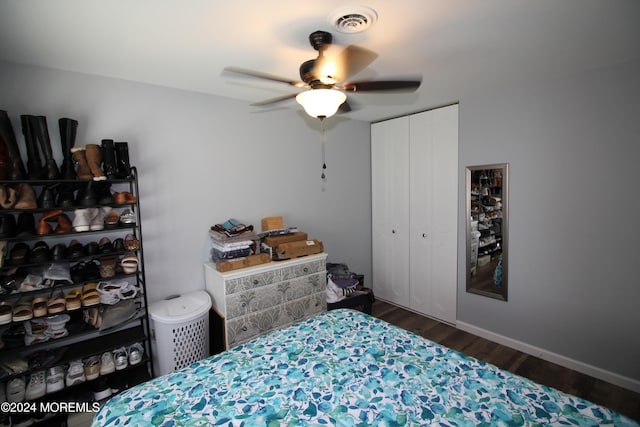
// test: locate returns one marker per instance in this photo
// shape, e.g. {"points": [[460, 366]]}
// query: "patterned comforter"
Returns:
{"points": [[344, 368]]}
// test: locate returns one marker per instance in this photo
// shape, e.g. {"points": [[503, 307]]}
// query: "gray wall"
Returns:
{"points": [[573, 146], [204, 159]]}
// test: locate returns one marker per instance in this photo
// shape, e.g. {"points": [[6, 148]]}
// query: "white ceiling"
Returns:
{"points": [[456, 45]]}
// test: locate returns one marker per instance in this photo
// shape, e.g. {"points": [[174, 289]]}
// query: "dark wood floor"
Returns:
{"points": [[597, 391]]}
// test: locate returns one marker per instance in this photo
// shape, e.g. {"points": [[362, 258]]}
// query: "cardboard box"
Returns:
{"points": [[248, 261], [272, 223], [274, 241], [298, 249]]}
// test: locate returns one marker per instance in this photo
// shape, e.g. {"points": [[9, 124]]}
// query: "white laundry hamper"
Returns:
{"points": [[179, 331]]}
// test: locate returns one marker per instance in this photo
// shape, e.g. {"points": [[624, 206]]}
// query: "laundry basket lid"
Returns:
{"points": [[180, 308]]}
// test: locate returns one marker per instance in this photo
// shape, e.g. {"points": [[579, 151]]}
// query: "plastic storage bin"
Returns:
{"points": [[179, 331]]}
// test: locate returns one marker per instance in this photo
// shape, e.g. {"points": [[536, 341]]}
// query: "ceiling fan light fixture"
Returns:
{"points": [[321, 103]]}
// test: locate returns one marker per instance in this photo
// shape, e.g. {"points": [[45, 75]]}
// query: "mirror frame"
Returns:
{"points": [[501, 293]]}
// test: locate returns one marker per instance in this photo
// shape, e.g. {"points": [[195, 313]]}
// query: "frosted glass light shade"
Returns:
{"points": [[321, 103]]}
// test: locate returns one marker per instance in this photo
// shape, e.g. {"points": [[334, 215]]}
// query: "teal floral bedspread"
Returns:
{"points": [[344, 368]]}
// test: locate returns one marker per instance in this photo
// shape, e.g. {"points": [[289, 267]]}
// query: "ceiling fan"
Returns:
{"points": [[326, 79]]}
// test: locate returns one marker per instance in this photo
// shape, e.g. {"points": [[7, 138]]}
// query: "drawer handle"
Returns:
{"points": [[244, 329], [244, 304], [256, 281], [306, 269]]}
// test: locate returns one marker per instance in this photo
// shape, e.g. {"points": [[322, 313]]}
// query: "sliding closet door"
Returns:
{"points": [[390, 214], [433, 154]]}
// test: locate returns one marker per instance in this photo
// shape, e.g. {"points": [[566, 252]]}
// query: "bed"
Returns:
{"points": [[346, 368]]}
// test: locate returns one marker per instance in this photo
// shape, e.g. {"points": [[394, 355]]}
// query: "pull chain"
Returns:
{"points": [[324, 163]]}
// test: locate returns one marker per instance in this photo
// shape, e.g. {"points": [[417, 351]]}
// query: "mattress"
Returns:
{"points": [[345, 368]]}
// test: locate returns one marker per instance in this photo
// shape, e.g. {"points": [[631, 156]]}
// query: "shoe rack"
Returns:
{"points": [[87, 249]]}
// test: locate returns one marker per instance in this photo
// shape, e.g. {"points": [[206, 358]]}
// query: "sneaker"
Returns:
{"points": [[15, 390], [120, 357], [92, 368], [82, 219], [36, 387], [101, 390], [75, 373], [107, 365], [55, 379], [97, 218], [135, 353]]}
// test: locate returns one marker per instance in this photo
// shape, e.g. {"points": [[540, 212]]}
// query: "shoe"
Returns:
{"points": [[26, 225], [75, 250], [136, 351], [97, 219], [19, 254], [112, 219], [127, 218], [73, 300], [107, 364], [55, 379], [40, 306], [40, 253], [90, 295], [108, 266], [36, 387], [92, 368], [64, 225], [105, 246], [26, 197], [75, 373], [121, 358], [94, 160], [6, 312], [56, 302], [79, 156], [131, 243], [82, 219], [101, 390], [23, 309], [129, 264], [110, 291], [8, 197], [15, 390], [59, 252]]}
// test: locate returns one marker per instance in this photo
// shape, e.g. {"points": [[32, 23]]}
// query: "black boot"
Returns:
{"points": [[15, 167], [86, 195], [122, 154], [66, 196], [68, 129], [47, 198], [34, 164], [102, 191], [109, 159], [40, 130]]}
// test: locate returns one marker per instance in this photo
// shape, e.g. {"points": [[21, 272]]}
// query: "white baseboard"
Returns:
{"points": [[576, 365]]}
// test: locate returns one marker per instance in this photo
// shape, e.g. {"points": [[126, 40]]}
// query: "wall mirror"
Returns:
{"points": [[487, 230]]}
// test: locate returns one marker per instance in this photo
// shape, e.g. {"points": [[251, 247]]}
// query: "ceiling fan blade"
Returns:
{"points": [[265, 76], [380, 85], [351, 61], [345, 107], [274, 100]]}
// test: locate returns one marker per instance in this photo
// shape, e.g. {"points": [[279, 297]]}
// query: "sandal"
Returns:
{"points": [[72, 299], [131, 243], [120, 357], [56, 302], [6, 312], [112, 219], [108, 266], [23, 310], [40, 306], [129, 264], [90, 295]]}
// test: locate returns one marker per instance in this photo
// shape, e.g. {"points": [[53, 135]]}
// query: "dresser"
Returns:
{"points": [[255, 300]]}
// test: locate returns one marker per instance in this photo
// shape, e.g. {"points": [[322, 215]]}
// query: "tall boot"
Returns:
{"points": [[94, 159], [109, 159], [68, 128], [41, 132], [4, 159], [79, 155], [16, 170], [34, 164], [122, 154]]}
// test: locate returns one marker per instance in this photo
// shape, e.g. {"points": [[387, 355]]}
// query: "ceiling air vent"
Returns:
{"points": [[353, 19]]}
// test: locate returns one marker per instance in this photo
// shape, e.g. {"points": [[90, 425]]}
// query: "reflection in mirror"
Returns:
{"points": [[487, 237]]}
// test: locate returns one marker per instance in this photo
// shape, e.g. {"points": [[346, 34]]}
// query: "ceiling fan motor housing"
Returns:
{"points": [[320, 40]]}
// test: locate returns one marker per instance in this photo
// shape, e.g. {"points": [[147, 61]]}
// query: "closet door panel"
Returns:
{"points": [[390, 216]]}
